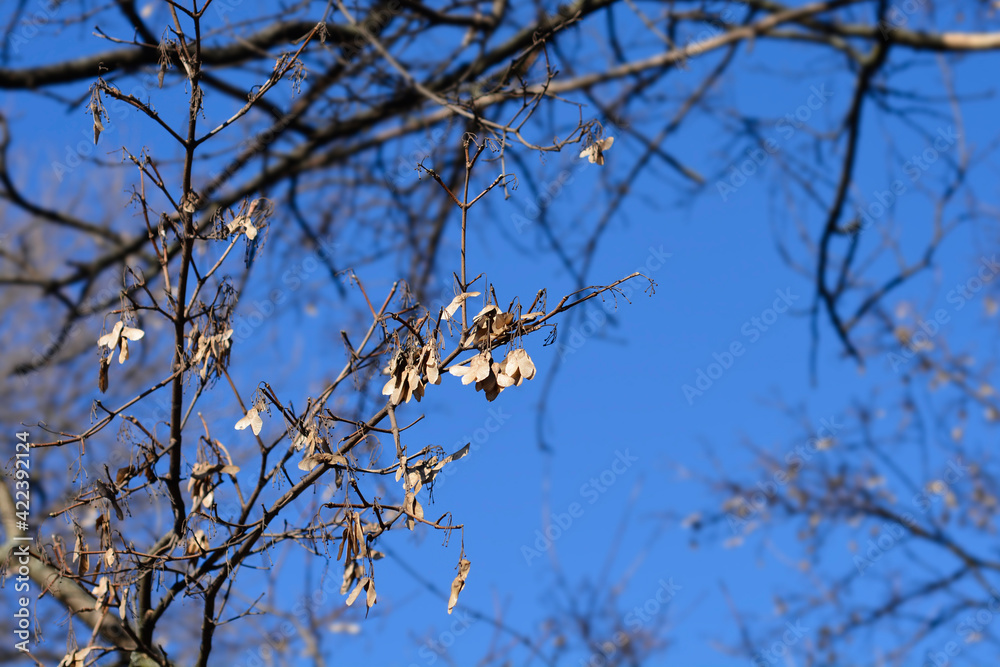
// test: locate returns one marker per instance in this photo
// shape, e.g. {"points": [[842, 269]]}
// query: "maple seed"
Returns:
{"points": [[429, 359], [405, 369], [595, 151], [253, 420], [456, 303], [490, 323], [490, 385], [492, 377], [479, 368], [519, 366], [458, 583], [119, 336]]}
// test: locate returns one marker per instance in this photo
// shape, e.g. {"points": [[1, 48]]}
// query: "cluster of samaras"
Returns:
{"points": [[412, 367]]}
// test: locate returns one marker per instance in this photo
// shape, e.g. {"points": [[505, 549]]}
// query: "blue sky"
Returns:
{"points": [[618, 404]]}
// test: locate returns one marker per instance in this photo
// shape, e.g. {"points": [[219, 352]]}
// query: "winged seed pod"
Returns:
{"points": [[595, 151], [404, 385], [518, 366], [457, 302], [490, 323], [430, 358], [491, 384], [119, 336], [479, 368], [458, 583], [253, 420], [492, 377]]}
